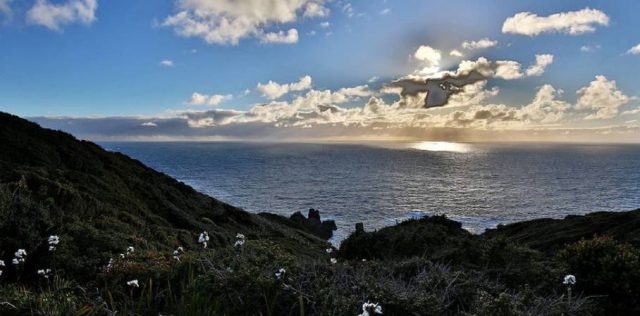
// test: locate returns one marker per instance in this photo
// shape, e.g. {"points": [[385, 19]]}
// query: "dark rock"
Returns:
{"points": [[314, 224]]}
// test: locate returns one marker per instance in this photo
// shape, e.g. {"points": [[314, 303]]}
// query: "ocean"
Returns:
{"points": [[379, 184]]}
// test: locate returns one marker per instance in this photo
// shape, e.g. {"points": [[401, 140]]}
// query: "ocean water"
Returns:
{"points": [[480, 185]]}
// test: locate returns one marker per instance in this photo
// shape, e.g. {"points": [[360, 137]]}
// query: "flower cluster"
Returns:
{"points": [[329, 250], [130, 250], [203, 239], [133, 283], [19, 257], [280, 274], [569, 280], [177, 253], [369, 309], [240, 239], [333, 260], [45, 273], [53, 242]]}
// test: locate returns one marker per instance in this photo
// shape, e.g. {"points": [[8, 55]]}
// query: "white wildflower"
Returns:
{"points": [[53, 241], [569, 279], [19, 256], [133, 283], [334, 260], [329, 250], [369, 309], [280, 273], [130, 250], [44, 273], [2, 264], [110, 264], [177, 252], [240, 239], [203, 239], [122, 256]]}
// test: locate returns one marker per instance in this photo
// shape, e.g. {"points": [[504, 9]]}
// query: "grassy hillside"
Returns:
{"points": [[100, 202]]}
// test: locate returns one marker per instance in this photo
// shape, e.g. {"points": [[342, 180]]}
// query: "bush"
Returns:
{"points": [[603, 266]]}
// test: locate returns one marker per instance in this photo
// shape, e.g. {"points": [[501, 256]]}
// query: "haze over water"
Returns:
{"points": [[479, 185]]}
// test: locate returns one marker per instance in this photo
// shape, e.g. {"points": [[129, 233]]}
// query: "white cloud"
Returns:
{"points": [[203, 99], [601, 96], [480, 44], [315, 9], [508, 70], [325, 24], [542, 61], [167, 63], [635, 50], [55, 16], [429, 57], [545, 107], [589, 48], [229, 21], [385, 11], [348, 10], [573, 22], [5, 9], [273, 90], [149, 124], [456, 53], [373, 79], [289, 37]]}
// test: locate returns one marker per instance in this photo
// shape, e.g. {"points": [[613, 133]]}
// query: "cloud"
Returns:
{"points": [[429, 57], [315, 9], [601, 96], [589, 48], [509, 69], [273, 90], [348, 10], [289, 37], [542, 61], [149, 124], [480, 44], [325, 24], [203, 99], [385, 11], [5, 8], [573, 22], [167, 63], [456, 53], [56, 16], [373, 79], [635, 50], [226, 22]]}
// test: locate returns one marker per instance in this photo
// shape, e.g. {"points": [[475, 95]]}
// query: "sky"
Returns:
{"points": [[324, 70]]}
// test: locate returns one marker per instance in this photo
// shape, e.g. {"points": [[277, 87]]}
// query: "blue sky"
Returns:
{"points": [[106, 60]]}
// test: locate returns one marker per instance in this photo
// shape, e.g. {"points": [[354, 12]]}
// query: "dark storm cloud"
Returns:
{"points": [[438, 89]]}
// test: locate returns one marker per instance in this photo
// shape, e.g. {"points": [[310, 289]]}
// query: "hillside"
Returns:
{"points": [[100, 202]]}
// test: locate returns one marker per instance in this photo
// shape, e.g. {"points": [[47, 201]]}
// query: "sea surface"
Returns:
{"points": [[480, 185]]}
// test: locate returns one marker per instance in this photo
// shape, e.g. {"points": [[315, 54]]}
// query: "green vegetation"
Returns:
{"points": [[100, 203]]}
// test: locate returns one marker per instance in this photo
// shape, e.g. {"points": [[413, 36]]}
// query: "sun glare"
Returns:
{"points": [[442, 146]]}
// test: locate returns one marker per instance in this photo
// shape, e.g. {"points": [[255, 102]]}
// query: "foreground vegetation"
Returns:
{"points": [[88, 232]]}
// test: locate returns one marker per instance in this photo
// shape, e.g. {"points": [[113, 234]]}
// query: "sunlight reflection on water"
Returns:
{"points": [[442, 146]]}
